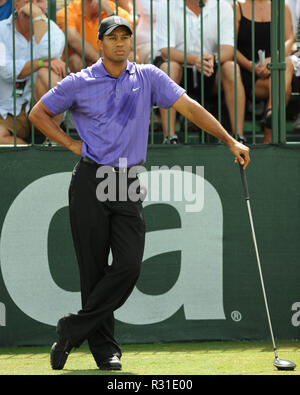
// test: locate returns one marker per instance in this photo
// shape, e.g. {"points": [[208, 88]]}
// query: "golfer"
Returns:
{"points": [[111, 104]]}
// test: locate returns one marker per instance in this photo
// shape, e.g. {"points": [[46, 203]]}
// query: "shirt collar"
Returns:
{"points": [[209, 4], [98, 70], [8, 21]]}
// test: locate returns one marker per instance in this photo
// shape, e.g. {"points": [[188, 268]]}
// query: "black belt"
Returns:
{"points": [[114, 169]]}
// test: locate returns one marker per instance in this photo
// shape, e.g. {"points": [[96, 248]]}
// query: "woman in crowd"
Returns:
{"points": [[262, 18]]}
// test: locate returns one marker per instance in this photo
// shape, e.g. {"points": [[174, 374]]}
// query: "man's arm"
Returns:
{"points": [[42, 118], [26, 71], [226, 53], [75, 42], [56, 65], [204, 120], [105, 6], [194, 60], [178, 56], [126, 5]]}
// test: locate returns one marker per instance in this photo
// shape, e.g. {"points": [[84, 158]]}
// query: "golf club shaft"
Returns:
{"points": [[247, 198]]}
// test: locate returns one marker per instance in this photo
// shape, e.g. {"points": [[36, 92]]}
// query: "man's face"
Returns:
{"points": [[42, 4], [116, 46]]}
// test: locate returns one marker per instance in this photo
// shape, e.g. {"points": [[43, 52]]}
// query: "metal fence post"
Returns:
{"points": [[14, 72], [274, 70], [52, 9], [278, 67], [168, 22], [253, 74], [185, 68], [282, 69], [235, 71], [82, 35], [31, 72], [152, 58]]}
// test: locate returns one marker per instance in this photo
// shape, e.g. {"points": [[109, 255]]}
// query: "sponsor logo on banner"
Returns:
{"points": [[296, 315], [2, 314], [199, 286]]}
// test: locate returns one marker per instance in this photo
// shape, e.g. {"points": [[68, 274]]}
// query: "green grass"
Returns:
{"points": [[195, 358]]}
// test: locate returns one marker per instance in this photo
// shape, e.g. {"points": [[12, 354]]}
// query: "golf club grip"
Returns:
{"points": [[244, 182]]}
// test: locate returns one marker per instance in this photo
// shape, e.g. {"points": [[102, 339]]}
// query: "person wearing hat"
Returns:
{"points": [[72, 19], [111, 104]]}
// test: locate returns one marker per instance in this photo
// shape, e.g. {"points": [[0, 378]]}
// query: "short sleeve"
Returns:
{"points": [[227, 24], [62, 96], [165, 92]]}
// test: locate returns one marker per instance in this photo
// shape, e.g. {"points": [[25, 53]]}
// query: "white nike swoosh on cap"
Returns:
{"points": [[135, 89]]}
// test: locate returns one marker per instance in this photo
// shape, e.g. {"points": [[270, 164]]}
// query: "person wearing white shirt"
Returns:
{"points": [[143, 31], [193, 49], [23, 66]]}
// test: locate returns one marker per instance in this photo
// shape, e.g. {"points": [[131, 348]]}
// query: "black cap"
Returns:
{"points": [[110, 24]]}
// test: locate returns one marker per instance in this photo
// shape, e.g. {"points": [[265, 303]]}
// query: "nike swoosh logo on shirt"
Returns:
{"points": [[135, 89]]}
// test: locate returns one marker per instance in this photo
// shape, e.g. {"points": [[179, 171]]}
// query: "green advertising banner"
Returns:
{"points": [[199, 278]]}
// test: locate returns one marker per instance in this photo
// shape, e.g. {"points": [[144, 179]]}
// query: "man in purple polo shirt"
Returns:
{"points": [[110, 103]]}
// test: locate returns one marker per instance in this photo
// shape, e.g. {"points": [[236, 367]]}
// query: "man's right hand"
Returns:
{"points": [[57, 66], [208, 64], [241, 153], [36, 11]]}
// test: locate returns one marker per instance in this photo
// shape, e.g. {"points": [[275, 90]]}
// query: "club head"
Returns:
{"points": [[282, 364]]}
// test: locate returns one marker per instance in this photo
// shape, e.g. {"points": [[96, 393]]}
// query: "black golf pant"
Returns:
{"points": [[98, 227]]}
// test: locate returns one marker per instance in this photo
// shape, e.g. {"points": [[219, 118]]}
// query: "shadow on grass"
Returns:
{"points": [[179, 347], [94, 372], [210, 346]]}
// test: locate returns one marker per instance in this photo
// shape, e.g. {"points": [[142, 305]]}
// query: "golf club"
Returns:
{"points": [[280, 364]]}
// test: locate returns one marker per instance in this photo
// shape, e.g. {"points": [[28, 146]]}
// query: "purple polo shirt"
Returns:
{"points": [[112, 114]]}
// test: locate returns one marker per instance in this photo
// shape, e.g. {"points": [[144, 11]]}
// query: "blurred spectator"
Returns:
{"points": [[127, 5], [91, 25], [295, 11], [143, 31], [262, 11], [23, 66], [5, 9], [193, 48]]}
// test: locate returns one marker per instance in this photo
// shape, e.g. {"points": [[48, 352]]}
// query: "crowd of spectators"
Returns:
{"points": [[193, 55], [151, 46], [90, 26], [18, 98], [262, 22]]}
